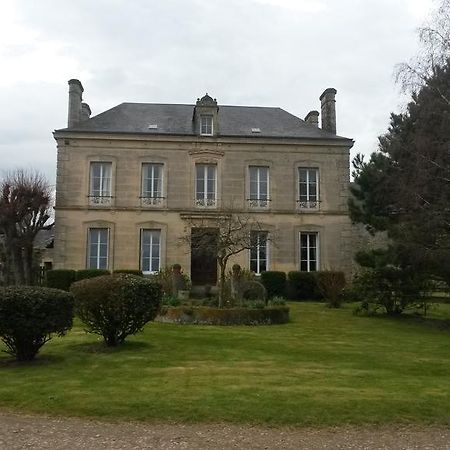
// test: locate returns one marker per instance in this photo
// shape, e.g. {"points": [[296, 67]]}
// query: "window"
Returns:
{"points": [[100, 183], [152, 184], [259, 252], [309, 252], [205, 185], [259, 187], [308, 187], [150, 250], [206, 125], [98, 248]]}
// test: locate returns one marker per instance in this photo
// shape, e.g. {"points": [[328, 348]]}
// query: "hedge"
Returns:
{"points": [[303, 286], [91, 273], [275, 283], [60, 278], [201, 315], [130, 272]]}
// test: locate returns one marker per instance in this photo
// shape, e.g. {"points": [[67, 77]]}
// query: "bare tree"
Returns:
{"points": [[434, 53], [24, 210], [222, 234]]}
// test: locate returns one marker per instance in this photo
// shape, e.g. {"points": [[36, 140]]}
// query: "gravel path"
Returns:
{"points": [[38, 432]]}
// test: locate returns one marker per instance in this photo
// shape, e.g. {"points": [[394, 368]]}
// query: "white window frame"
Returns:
{"points": [[258, 202], [308, 247], [98, 244], [206, 124], [203, 201], [258, 247], [310, 202], [152, 197], [150, 245], [104, 194]]}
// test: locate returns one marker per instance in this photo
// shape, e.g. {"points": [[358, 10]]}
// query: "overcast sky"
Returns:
{"points": [[243, 52]]}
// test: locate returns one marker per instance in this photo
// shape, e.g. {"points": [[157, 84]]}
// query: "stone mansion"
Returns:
{"points": [[130, 178]]}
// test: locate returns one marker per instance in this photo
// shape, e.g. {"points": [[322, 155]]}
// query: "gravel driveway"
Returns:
{"points": [[38, 432]]}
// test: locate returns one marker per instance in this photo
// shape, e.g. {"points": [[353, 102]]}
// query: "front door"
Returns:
{"points": [[204, 256]]}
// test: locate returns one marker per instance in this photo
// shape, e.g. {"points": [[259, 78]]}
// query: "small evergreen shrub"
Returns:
{"points": [[30, 315], [115, 306], [130, 272], [91, 273], [164, 278], [60, 279], [303, 286], [254, 290], [331, 284], [275, 283]]}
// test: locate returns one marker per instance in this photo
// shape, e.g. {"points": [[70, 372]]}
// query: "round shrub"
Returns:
{"points": [[30, 315], [116, 306], [303, 286]]}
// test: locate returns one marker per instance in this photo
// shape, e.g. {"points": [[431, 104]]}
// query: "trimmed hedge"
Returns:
{"points": [[91, 273], [130, 272], [303, 286], [223, 316], [275, 283], [60, 279], [29, 316], [115, 306]]}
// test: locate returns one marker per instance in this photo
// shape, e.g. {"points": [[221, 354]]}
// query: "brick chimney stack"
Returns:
{"points": [[328, 109], [75, 99]]}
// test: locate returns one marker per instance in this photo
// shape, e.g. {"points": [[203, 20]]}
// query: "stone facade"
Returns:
{"points": [[126, 213]]}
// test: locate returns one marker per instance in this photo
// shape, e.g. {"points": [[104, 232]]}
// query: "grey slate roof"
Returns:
{"points": [[234, 121]]}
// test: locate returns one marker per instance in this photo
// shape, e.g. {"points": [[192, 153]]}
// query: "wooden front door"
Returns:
{"points": [[203, 256]]}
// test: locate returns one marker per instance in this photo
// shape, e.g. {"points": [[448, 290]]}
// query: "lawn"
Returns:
{"points": [[325, 367]]}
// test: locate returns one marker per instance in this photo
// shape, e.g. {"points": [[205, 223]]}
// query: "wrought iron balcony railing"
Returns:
{"points": [[152, 201], [100, 200], [258, 202]]}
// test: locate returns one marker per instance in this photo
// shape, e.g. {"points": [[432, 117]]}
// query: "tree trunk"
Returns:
{"points": [[222, 265], [28, 264]]}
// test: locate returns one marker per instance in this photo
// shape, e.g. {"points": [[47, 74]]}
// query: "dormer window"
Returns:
{"points": [[206, 125]]}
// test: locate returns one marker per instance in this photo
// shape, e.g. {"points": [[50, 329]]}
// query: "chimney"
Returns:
{"points": [[313, 118], [85, 112], [328, 107], [75, 98]]}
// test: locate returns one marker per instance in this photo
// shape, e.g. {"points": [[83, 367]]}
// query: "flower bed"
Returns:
{"points": [[203, 315]]}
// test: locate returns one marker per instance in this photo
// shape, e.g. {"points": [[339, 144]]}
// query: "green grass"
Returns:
{"points": [[325, 367]]}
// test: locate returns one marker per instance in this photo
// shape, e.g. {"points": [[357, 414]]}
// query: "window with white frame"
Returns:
{"points": [[98, 248], [205, 185], [206, 125], [308, 187], [150, 250], [309, 252], [152, 184], [259, 186], [259, 251], [100, 183]]}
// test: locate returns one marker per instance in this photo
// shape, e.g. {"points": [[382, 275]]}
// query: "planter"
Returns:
{"points": [[223, 316]]}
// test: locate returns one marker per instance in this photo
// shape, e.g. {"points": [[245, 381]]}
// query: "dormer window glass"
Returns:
{"points": [[206, 125]]}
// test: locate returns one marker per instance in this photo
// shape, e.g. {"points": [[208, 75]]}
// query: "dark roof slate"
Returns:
{"points": [[234, 121]]}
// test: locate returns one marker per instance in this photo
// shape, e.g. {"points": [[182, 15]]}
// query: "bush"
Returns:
{"points": [[91, 273], [275, 283], [331, 284], [254, 290], [30, 315], [130, 272], [60, 279], [277, 301], [390, 288], [164, 278], [115, 306], [303, 286]]}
